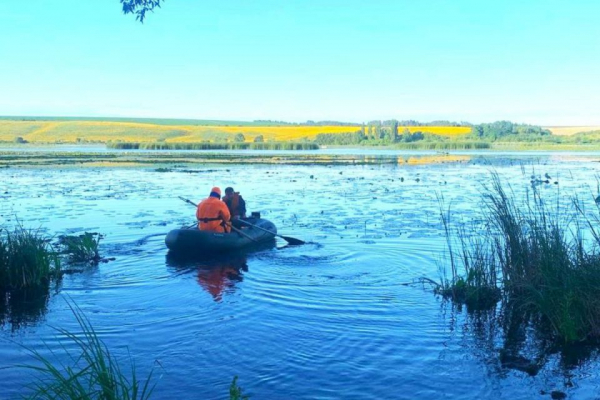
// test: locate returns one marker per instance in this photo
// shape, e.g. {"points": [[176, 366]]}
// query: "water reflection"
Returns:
{"points": [[217, 274], [508, 337], [19, 308]]}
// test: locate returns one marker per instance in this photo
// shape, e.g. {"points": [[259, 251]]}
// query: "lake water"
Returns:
{"points": [[329, 320]]}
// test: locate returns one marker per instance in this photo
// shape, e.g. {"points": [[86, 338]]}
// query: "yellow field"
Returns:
{"points": [[104, 131], [570, 130], [450, 131]]}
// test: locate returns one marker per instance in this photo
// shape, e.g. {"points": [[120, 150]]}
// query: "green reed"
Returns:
{"points": [[540, 257], [26, 259], [82, 248], [447, 145], [236, 392], [213, 146], [93, 372]]}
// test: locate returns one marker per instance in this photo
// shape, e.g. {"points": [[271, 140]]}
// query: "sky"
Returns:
{"points": [[529, 61]]}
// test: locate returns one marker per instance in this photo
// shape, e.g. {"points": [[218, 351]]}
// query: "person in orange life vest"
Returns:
{"points": [[235, 203], [213, 214]]}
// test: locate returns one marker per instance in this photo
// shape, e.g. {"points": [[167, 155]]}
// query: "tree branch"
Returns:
{"points": [[139, 7]]}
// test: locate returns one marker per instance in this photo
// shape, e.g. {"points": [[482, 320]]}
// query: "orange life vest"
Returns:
{"points": [[212, 215], [233, 203]]}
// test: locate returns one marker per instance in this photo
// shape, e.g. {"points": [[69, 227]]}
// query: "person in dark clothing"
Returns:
{"points": [[235, 203]]}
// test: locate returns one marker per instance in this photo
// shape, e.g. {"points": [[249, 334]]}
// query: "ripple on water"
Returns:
{"points": [[326, 320]]}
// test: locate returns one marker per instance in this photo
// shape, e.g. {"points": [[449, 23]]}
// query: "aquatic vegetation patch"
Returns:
{"points": [[27, 259], [173, 159], [449, 145], [213, 146], [540, 259], [82, 248], [236, 392]]}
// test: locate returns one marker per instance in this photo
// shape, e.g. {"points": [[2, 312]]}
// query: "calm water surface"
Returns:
{"points": [[328, 320]]}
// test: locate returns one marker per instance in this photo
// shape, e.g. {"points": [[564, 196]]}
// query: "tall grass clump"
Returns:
{"points": [[93, 372], [542, 257], [82, 248], [26, 259], [474, 276]]}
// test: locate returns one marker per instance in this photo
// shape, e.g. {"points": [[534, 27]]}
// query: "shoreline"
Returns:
{"points": [[414, 146], [174, 160]]}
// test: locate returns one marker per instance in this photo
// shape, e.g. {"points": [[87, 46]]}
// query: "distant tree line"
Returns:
{"points": [[392, 132], [506, 130], [411, 122], [307, 123], [374, 135]]}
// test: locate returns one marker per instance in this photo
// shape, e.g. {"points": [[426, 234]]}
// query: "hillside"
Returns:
{"points": [[58, 130], [571, 130]]}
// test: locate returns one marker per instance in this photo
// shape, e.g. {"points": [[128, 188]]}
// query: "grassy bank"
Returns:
{"points": [[539, 257], [214, 146]]}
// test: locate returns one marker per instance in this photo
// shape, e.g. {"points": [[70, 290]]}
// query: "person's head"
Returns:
{"points": [[215, 192], [228, 191]]}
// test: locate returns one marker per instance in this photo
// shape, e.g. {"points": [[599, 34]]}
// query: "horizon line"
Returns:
{"points": [[307, 122]]}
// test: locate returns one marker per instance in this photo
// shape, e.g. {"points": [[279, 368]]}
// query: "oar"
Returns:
{"points": [[230, 225], [242, 233], [188, 201], [292, 241]]}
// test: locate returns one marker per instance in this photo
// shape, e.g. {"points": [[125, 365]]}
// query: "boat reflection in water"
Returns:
{"points": [[215, 273], [222, 275]]}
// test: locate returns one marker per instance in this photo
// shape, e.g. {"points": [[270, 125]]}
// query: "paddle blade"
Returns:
{"points": [[293, 241]]}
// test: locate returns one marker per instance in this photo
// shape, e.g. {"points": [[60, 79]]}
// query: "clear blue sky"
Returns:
{"points": [[355, 60]]}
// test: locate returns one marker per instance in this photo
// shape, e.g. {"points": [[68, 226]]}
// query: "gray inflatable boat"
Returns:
{"points": [[194, 241]]}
